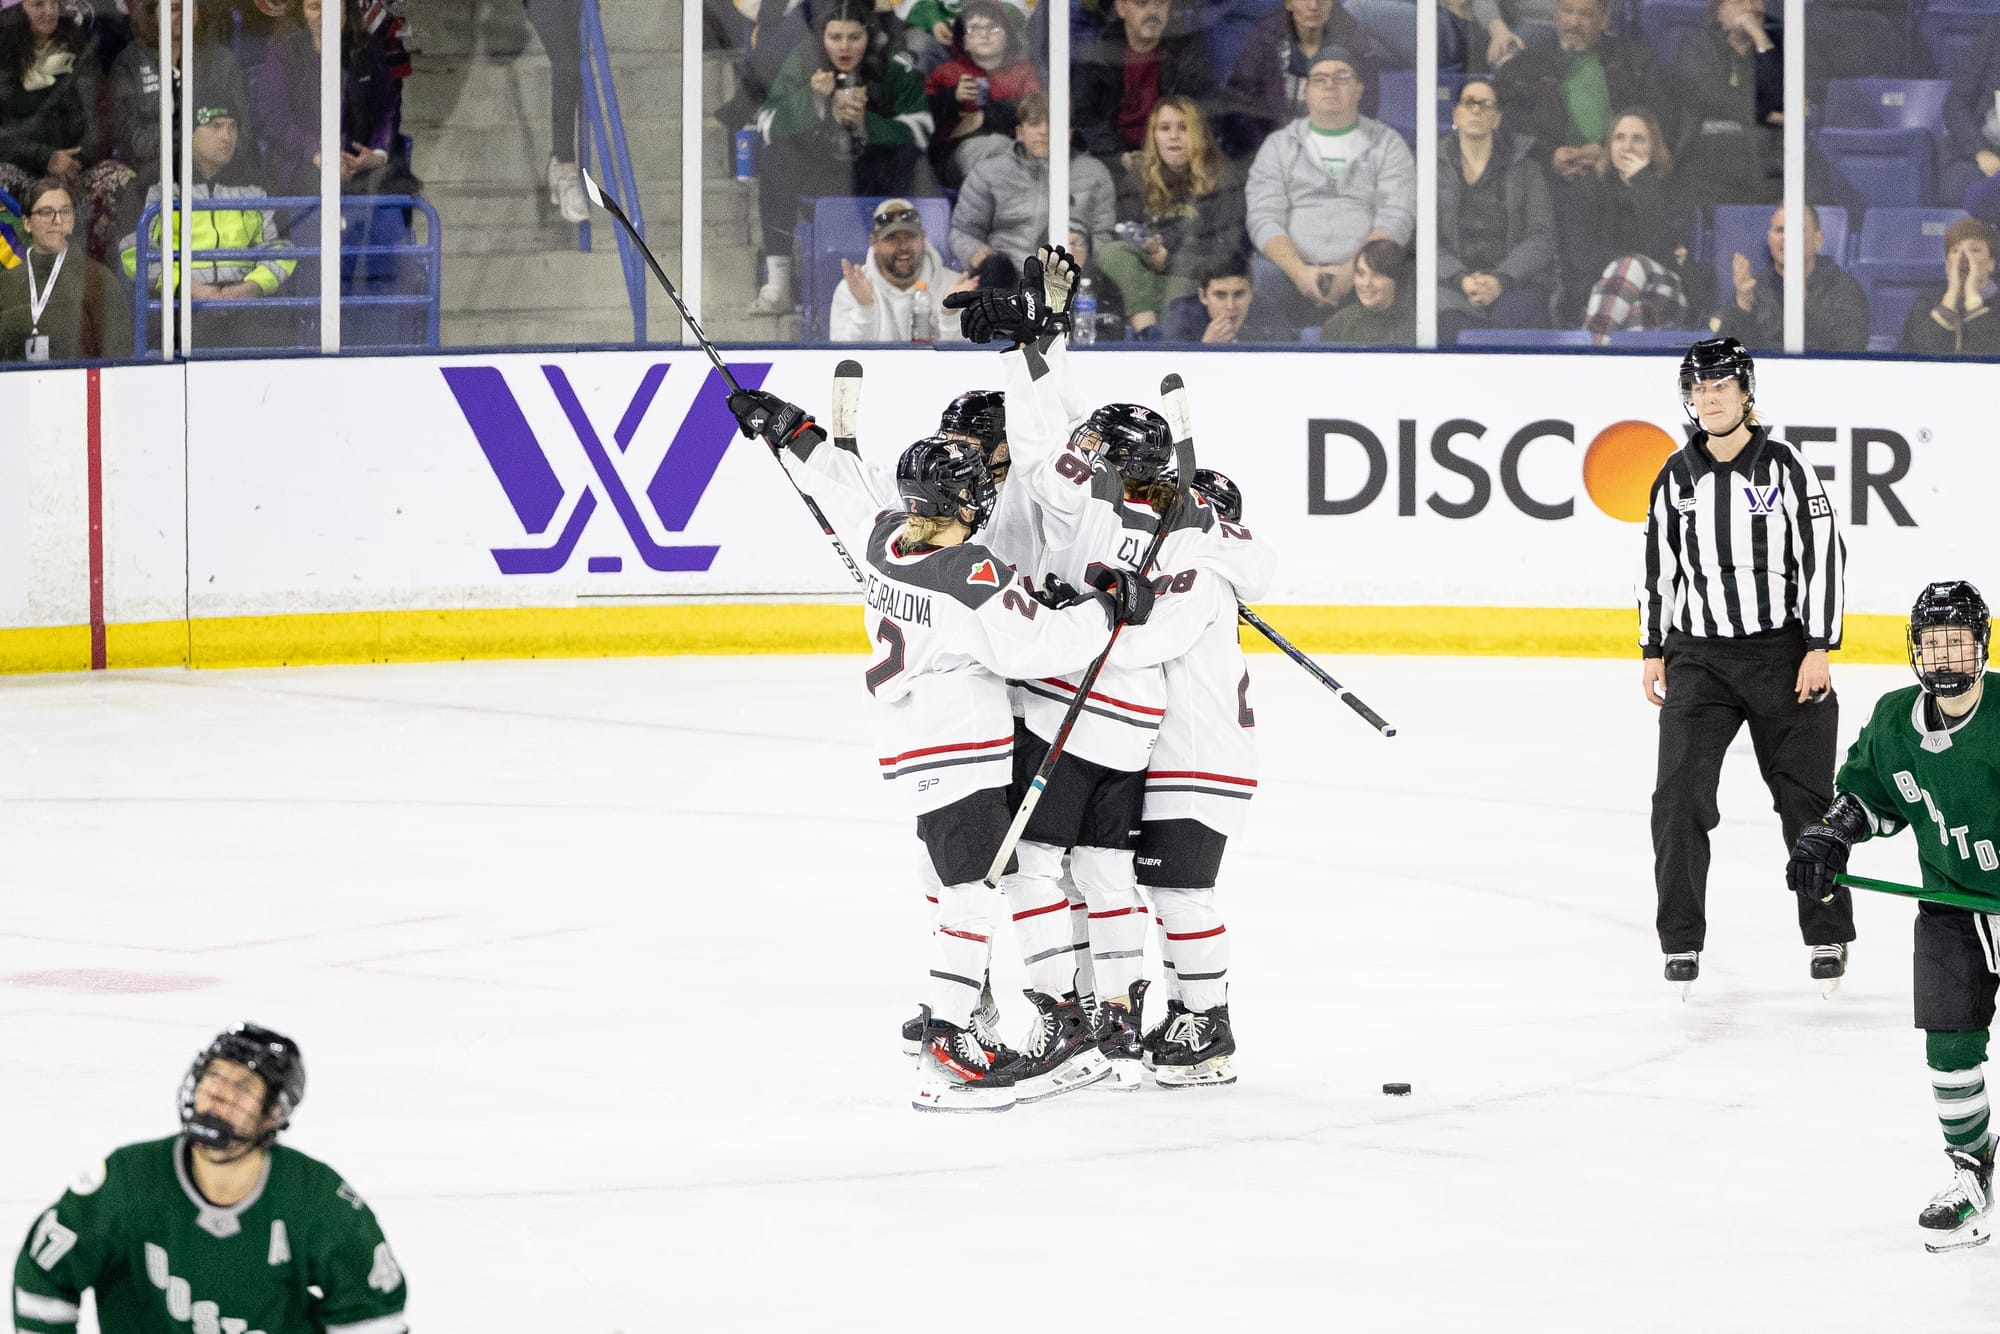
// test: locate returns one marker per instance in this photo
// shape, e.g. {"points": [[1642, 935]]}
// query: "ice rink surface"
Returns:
{"points": [[597, 968]]}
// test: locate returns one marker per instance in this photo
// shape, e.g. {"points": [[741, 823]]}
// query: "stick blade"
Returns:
{"points": [[1180, 420], [844, 418], [590, 188]]}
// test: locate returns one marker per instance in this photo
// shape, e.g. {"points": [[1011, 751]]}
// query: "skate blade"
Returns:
{"points": [[1213, 1073], [1685, 988], [1829, 988], [1125, 1076], [913, 1049], [1977, 1232], [956, 1098], [1079, 1072]]}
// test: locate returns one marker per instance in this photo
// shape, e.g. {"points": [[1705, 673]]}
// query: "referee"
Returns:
{"points": [[1741, 601]]}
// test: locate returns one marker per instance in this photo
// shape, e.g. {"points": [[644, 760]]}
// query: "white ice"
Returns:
{"points": [[598, 967]]}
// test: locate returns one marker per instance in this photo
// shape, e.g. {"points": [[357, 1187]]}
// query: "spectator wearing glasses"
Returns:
{"points": [[59, 304], [1121, 76], [846, 117], [1267, 88], [975, 96], [1562, 95], [876, 297], [1496, 226], [1004, 207], [1729, 89], [1958, 319], [1182, 210], [1324, 186], [1754, 314]]}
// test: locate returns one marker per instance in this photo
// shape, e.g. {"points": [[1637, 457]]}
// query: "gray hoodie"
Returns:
{"points": [[1288, 193], [1005, 204]]}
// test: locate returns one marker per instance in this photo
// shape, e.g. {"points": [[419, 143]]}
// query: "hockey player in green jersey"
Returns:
{"points": [[217, 1230], [1929, 758]]}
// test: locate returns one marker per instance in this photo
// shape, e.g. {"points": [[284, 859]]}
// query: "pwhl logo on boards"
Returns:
{"points": [[1618, 467], [521, 462]]}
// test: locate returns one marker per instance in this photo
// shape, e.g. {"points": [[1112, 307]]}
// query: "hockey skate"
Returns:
{"points": [[985, 1025], [1195, 1049], [1117, 1031], [1683, 969], [1829, 965], [1061, 1054], [956, 1074], [1958, 1217]]}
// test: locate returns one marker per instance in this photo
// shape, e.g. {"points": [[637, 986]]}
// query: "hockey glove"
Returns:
{"points": [[1059, 277], [1128, 599], [1019, 316], [1820, 851], [778, 423], [1055, 594]]}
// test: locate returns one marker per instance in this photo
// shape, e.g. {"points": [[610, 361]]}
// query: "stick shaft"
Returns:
{"points": [[1298, 655], [1948, 898]]}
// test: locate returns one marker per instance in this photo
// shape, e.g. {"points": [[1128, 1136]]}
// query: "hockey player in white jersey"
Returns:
{"points": [[1198, 791], [951, 621]]}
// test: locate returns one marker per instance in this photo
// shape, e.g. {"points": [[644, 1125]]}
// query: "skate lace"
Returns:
{"points": [[1189, 1030], [966, 1048], [1968, 1187], [1829, 951], [1043, 1038]]}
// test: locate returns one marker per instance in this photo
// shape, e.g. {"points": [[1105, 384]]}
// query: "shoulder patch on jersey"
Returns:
{"points": [[984, 574], [1819, 507], [91, 1179]]}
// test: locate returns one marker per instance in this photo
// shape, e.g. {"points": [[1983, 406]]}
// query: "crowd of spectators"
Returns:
{"points": [[80, 99]]}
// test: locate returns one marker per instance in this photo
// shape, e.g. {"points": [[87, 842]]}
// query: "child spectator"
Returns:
{"points": [[287, 87], [1187, 203], [59, 304], [1382, 314], [1223, 310], [1004, 207], [974, 96], [845, 117]]}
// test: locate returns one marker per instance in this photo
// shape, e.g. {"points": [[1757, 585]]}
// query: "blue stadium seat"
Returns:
{"points": [[1448, 89], [1664, 23], [1946, 31], [1882, 168], [1524, 338], [1741, 229], [1887, 104], [1901, 252], [1398, 108], [839, 230]]}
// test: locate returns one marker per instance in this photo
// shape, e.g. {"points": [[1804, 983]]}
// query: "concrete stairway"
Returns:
{"points": [[477, 103]]}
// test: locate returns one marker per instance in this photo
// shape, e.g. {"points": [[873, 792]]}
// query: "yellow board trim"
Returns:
{"points": [[792, 628]]}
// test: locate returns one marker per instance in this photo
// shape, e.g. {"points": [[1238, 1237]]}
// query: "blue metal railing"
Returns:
{"points": [[357, 214], [607, 128]]}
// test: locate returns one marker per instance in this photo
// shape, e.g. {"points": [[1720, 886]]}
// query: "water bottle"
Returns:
{"points": [[923, 320], [1083, 314], [745, 156]]}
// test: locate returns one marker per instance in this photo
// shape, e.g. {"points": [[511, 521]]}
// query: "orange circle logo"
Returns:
{"points": [[1620, 465]]}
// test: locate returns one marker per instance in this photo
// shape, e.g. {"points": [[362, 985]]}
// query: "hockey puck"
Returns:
{"points": [[1397, 1090]]}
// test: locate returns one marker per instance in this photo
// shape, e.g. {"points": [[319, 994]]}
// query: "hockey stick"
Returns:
{"points": [[1948, 898], [610, 205], [1296, 654], [1174, 399], [844, 418]]}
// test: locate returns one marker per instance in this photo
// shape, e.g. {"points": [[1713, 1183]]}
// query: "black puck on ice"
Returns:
{"points": [[1397, 1090]]}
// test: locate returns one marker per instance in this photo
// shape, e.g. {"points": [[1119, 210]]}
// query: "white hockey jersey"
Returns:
{"points": [[950, 625]]}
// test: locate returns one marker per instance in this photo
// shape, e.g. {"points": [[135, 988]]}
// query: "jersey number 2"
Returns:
{"points": [[887, 632]]}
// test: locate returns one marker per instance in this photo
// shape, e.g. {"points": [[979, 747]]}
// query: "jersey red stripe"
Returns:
{"points": [[962, 935], [1057, 906], [1196, 935], [1117, 912], [1197, 773], [940, 750], [1104, 699]]}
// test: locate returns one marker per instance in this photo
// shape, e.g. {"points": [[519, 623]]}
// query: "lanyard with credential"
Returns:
{"points": [[39, 301]]}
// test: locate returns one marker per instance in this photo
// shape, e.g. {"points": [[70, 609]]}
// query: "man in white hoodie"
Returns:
{"points": [[875, 297]]}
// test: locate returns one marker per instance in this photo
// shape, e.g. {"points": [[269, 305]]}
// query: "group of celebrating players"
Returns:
{"points": [[999, 552]]}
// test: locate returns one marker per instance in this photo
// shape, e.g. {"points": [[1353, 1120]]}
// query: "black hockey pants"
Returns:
{"points": [[1714, 686]]}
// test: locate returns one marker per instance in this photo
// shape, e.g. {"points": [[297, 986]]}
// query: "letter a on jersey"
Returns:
{"points": [[984, 574]]}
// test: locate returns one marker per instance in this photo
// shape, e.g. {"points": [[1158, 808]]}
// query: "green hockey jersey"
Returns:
{"points": [[1946, 785], [301, 1254]]}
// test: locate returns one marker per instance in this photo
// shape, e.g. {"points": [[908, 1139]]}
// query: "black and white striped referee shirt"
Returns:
{"points": [[1741, 548]]}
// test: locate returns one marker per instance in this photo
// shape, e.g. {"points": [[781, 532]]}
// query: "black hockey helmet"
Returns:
{"points": [[1220, 492], [979, 413], [938, 478], [1953, 604], [273, 1058], [1134, 440], [1717, 359]]}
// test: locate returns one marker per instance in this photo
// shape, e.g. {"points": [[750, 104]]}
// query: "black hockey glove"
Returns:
{"points": [[1820, 851], [778, 423], [1019, 316], [1127, 597], [1055, 594]]}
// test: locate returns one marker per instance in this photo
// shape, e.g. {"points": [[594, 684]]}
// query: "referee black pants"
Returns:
{"points": [[1714, 686]]}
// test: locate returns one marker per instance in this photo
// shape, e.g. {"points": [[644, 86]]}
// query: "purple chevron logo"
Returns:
{"points": [[520, 463]]}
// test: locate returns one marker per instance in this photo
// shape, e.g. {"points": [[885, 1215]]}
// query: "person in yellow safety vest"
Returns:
{"points": [[214, 146]]}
